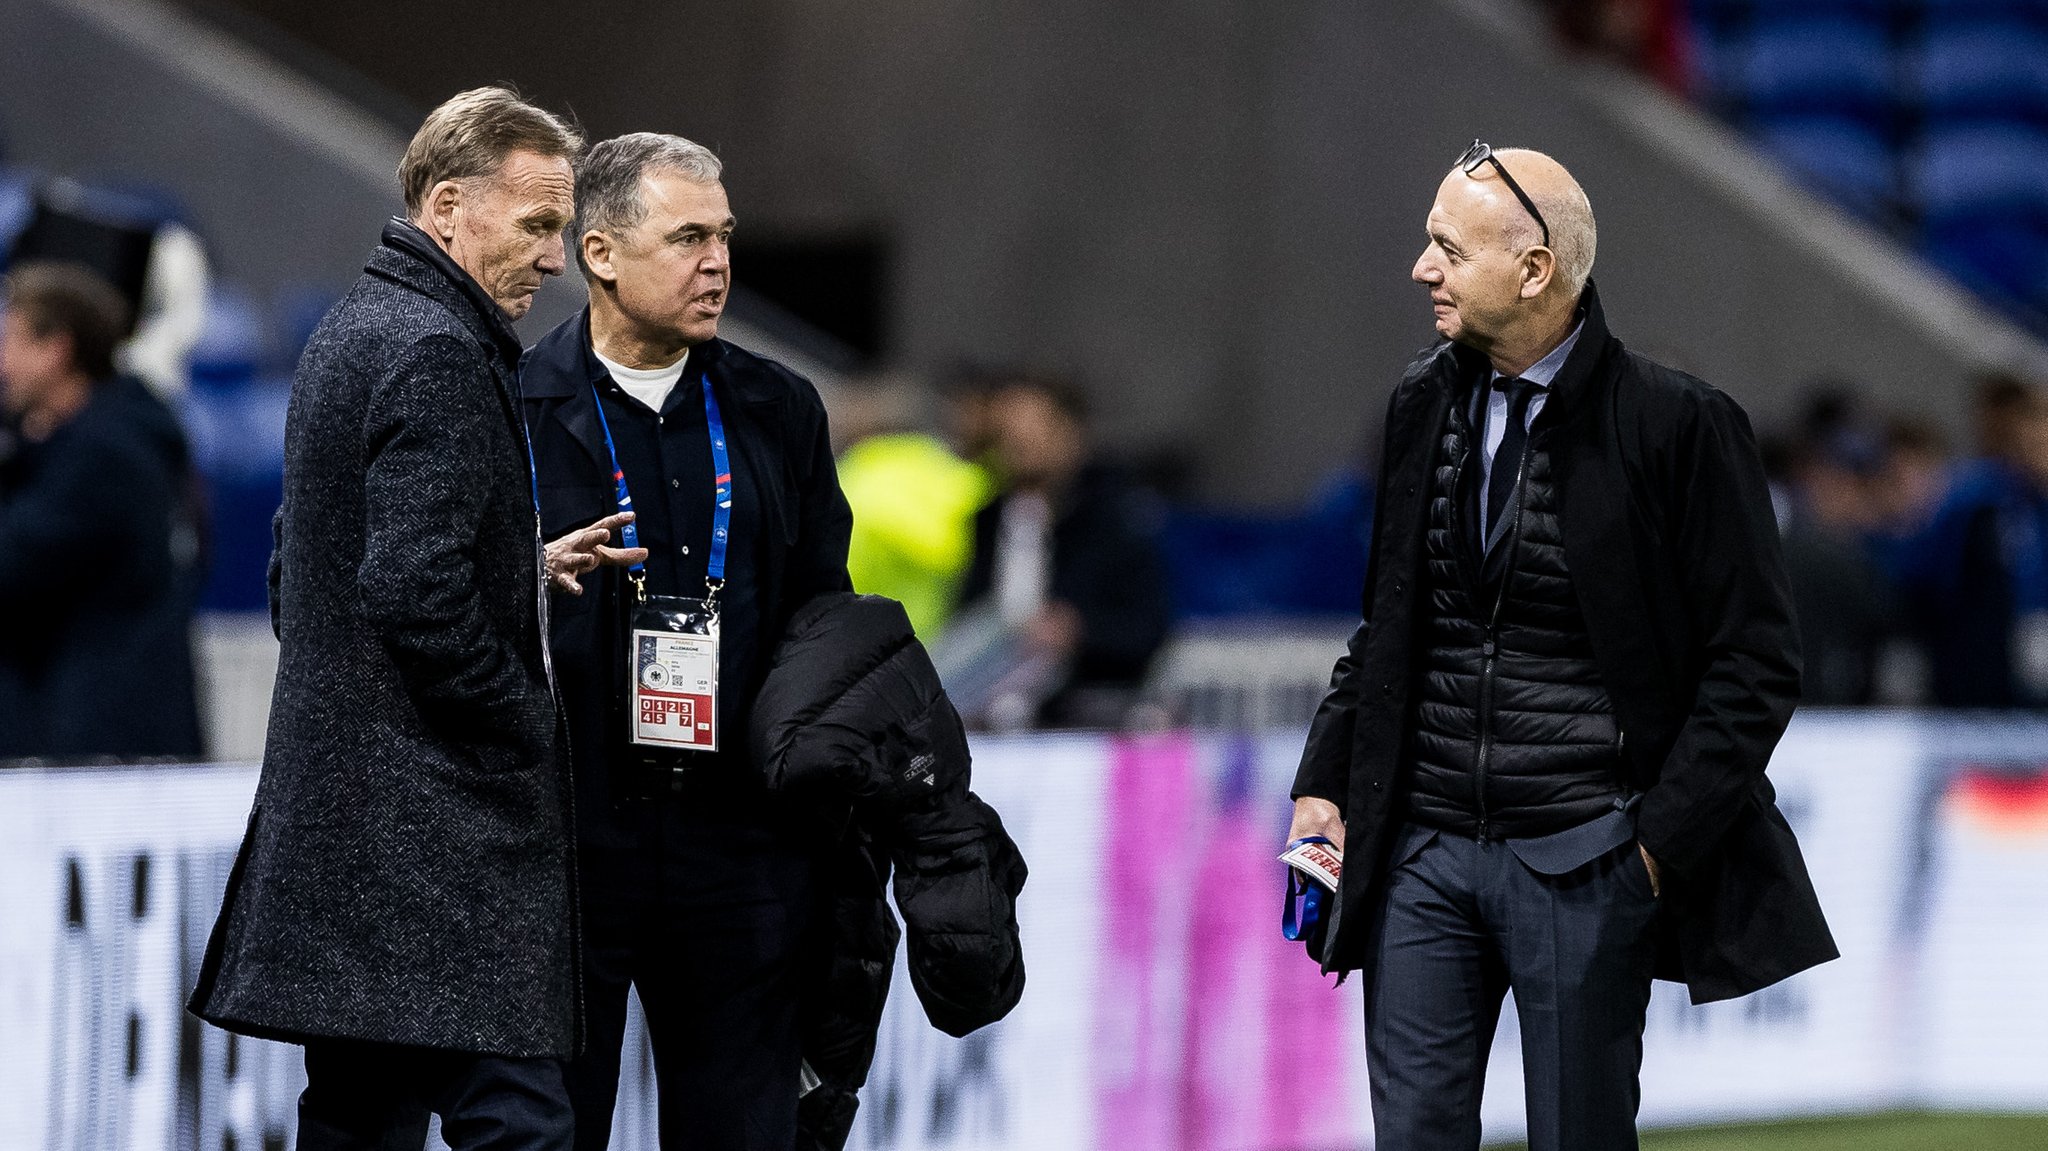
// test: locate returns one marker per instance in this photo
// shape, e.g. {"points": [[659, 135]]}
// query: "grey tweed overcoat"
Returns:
{"points": [[406, 874]]}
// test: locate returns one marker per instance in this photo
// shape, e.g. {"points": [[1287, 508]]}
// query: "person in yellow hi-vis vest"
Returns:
{"points": [[913, 503]]}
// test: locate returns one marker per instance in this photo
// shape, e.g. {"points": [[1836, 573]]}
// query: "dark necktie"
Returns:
{"points": [[1507, 462]]}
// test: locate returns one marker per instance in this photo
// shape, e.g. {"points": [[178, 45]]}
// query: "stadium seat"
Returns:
{"points": [[230, 348], [2003, 257], [1980, 170], [1981, 68], [1839, 65], [1752, 9], [1935, 11], [17, 204], [297, 311], [1841, 156], [237, 437]]}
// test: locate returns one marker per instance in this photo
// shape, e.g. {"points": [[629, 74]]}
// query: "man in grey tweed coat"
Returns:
{"points": [[404, 900]]}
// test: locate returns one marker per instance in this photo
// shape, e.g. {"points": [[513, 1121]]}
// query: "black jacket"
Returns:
{"points": [[1674, 558], [406, 873], [1512, 736], [789, 532], [99, 574], [853, 711]]}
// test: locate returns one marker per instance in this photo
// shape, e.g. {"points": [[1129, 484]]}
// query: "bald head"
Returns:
{"points": [[1496, 286], [1557, 196]]}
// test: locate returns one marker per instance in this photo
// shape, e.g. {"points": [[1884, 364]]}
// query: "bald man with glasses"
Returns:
{"points": [[1543, 752]]}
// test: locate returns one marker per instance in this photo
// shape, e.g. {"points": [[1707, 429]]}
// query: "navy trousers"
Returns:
{"points": [[1463, 922], [378, 1096]]}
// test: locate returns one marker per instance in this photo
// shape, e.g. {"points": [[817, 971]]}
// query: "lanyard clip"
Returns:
{"points": [[712, 586], [639, 585]]}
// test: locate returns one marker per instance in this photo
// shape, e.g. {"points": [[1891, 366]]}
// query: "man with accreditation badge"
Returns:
{"points": [[697, 881]]}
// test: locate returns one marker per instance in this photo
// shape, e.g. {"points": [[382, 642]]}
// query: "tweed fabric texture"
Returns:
{"points": [[406, 874]]}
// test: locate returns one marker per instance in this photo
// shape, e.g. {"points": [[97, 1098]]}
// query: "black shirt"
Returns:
{"points": [[789, 527], [667, 461]]}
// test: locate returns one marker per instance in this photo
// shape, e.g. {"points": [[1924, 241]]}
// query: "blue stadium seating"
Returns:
{"points": [[1307, 563], [1979, 169], [1838, 65], [17, 204], [237, 436], [1981, 68], [1842, 156], [298, 310], [1928, 114], [1934, 11], [230, 348], [1982, 191], [1732, 10], [2003, 257]]}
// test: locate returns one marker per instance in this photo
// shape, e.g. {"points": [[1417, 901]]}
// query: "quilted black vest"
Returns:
{"points": [[1511, 733]]}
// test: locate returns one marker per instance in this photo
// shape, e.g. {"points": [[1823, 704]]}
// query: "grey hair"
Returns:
{"points": [[1573, 236], [470, 135], [608, 177]]}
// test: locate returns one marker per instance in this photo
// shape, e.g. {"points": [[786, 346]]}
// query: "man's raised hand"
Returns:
{"points": [[583, 550]]}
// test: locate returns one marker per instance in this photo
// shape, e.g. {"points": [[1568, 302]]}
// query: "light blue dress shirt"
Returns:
{"points": [[1540, 374]]}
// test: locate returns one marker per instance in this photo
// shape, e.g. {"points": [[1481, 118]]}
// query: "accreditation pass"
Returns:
{"points": [[675, 689]]}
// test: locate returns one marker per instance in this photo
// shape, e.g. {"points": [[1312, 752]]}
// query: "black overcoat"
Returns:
{"points": [[1674, 555], [406, 876]]}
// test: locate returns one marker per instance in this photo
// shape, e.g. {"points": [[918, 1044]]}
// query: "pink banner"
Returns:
{"points": [[1223, 1035], [1149, 856]]}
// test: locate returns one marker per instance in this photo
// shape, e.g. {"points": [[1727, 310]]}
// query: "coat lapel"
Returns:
{"points": [[1419, 413], [1600, 545]]}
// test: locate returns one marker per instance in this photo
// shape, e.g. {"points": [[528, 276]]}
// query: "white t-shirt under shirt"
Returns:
{"points": [[650, 386]]}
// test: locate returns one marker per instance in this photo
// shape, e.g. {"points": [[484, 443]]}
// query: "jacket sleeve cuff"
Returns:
{"points": [[1318, 789], [1668, 842]]}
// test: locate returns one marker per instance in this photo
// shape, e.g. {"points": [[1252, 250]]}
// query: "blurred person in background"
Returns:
{"points": [[403, 903], [913, 502], [1544, 751], [698, 882], [1976, 579], [1909, 487], [96, 535], [967, 415], [1844, 604], [1068, 556]]}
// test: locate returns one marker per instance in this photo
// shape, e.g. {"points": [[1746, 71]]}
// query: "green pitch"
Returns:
{"points": [[1898, 1131]]}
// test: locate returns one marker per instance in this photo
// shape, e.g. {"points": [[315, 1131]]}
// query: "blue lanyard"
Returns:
{"points": [[721, 481], [721, 507], [532, 473], [1302, 911]]}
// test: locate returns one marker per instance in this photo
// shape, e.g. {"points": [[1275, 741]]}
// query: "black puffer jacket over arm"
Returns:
{"points": [[853, 711]]}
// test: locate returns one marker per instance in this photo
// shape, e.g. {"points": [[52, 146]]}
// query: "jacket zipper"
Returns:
{"points": [[1489, 650]]}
